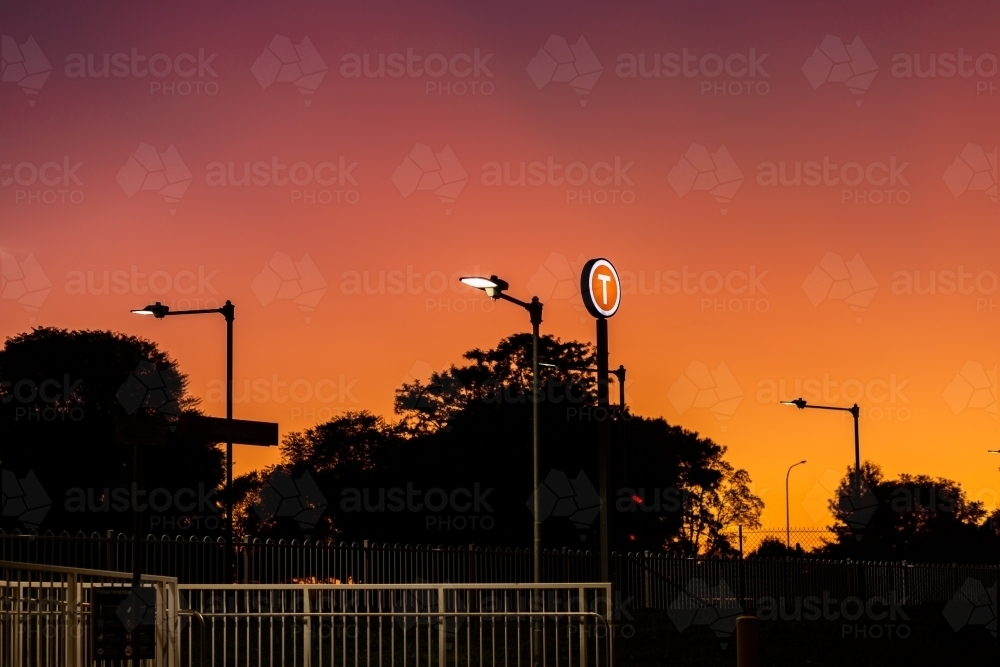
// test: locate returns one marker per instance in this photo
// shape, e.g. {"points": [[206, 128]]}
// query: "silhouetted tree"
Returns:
{"points": [[457, 466], [916, 518], [59, 397]]}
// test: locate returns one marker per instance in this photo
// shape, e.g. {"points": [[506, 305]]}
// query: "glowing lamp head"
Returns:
{"points": [[493, 286], [798, 402], [157, 310]]}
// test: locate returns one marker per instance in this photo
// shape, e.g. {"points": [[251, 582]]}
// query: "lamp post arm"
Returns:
{"points": [[829, 407]]}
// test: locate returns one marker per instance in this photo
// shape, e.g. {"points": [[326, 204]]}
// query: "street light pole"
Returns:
{"points": [[228, 310], [535, 311], [494, 288], [788, 524], [855, 411]]}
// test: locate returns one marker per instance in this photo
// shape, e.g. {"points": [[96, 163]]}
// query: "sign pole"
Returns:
{"points": [[136, 536], [601, 291], [604, 445]]}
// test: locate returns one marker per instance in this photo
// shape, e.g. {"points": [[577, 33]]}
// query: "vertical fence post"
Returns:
{"points": [[367, 564], [473, 575], [112, 563], [72, 622], [582, 606], [442, 653], [646, 583], [245, 578], [306, 628]]}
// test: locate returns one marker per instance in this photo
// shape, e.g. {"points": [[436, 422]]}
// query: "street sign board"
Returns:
{"points": [[142, 431], [123, 624], [239, 431], [600, 288]]}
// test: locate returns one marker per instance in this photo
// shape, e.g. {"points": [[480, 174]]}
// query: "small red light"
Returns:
{"points": [[637, 499], [632, 537]]}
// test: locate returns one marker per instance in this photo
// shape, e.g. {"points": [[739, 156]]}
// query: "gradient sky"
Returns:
{"points": [[708, 353]]}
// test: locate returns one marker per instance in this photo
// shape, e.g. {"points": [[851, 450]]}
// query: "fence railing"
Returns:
{"points": [[47, 615], [392, 624], [644, 580]]}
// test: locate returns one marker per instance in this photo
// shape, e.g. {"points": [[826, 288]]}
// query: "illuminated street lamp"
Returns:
{"points": [[494, 288], [159, 311], [788, 524], [855, 411]]}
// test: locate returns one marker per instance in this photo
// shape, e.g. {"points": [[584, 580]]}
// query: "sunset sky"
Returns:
{"points": [[800, 198]]}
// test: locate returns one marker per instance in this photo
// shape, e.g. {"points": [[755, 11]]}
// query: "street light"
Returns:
{"points": [[159, 311], [993, 451], [855, 411], [494, 288], [788, 524]]}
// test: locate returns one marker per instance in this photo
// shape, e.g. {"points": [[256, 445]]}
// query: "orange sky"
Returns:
{"points": [[685, 222]]}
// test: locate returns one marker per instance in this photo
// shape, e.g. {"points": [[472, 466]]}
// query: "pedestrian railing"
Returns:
{"points": [[645, 579], [394, 624], [47, 615]]}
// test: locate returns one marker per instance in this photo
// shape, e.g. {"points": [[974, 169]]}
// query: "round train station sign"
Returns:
{"points": [[600, 288]]}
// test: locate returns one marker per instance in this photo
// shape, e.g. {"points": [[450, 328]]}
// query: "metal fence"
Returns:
{"points": [[50, 617], [809, 539], [645, 580], [46, 615], [417, 624]]}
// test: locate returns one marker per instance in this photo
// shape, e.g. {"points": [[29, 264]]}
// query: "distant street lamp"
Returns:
{"points": [[788, 524], [494, 288], [159, 311], [993, 451]]}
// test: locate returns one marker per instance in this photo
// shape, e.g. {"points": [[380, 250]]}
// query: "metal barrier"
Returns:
{"points": [[419, 624], [46, 615], [649, 580]]}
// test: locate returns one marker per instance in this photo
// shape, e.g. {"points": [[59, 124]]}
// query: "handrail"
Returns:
{"points": [[59, 569]]}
